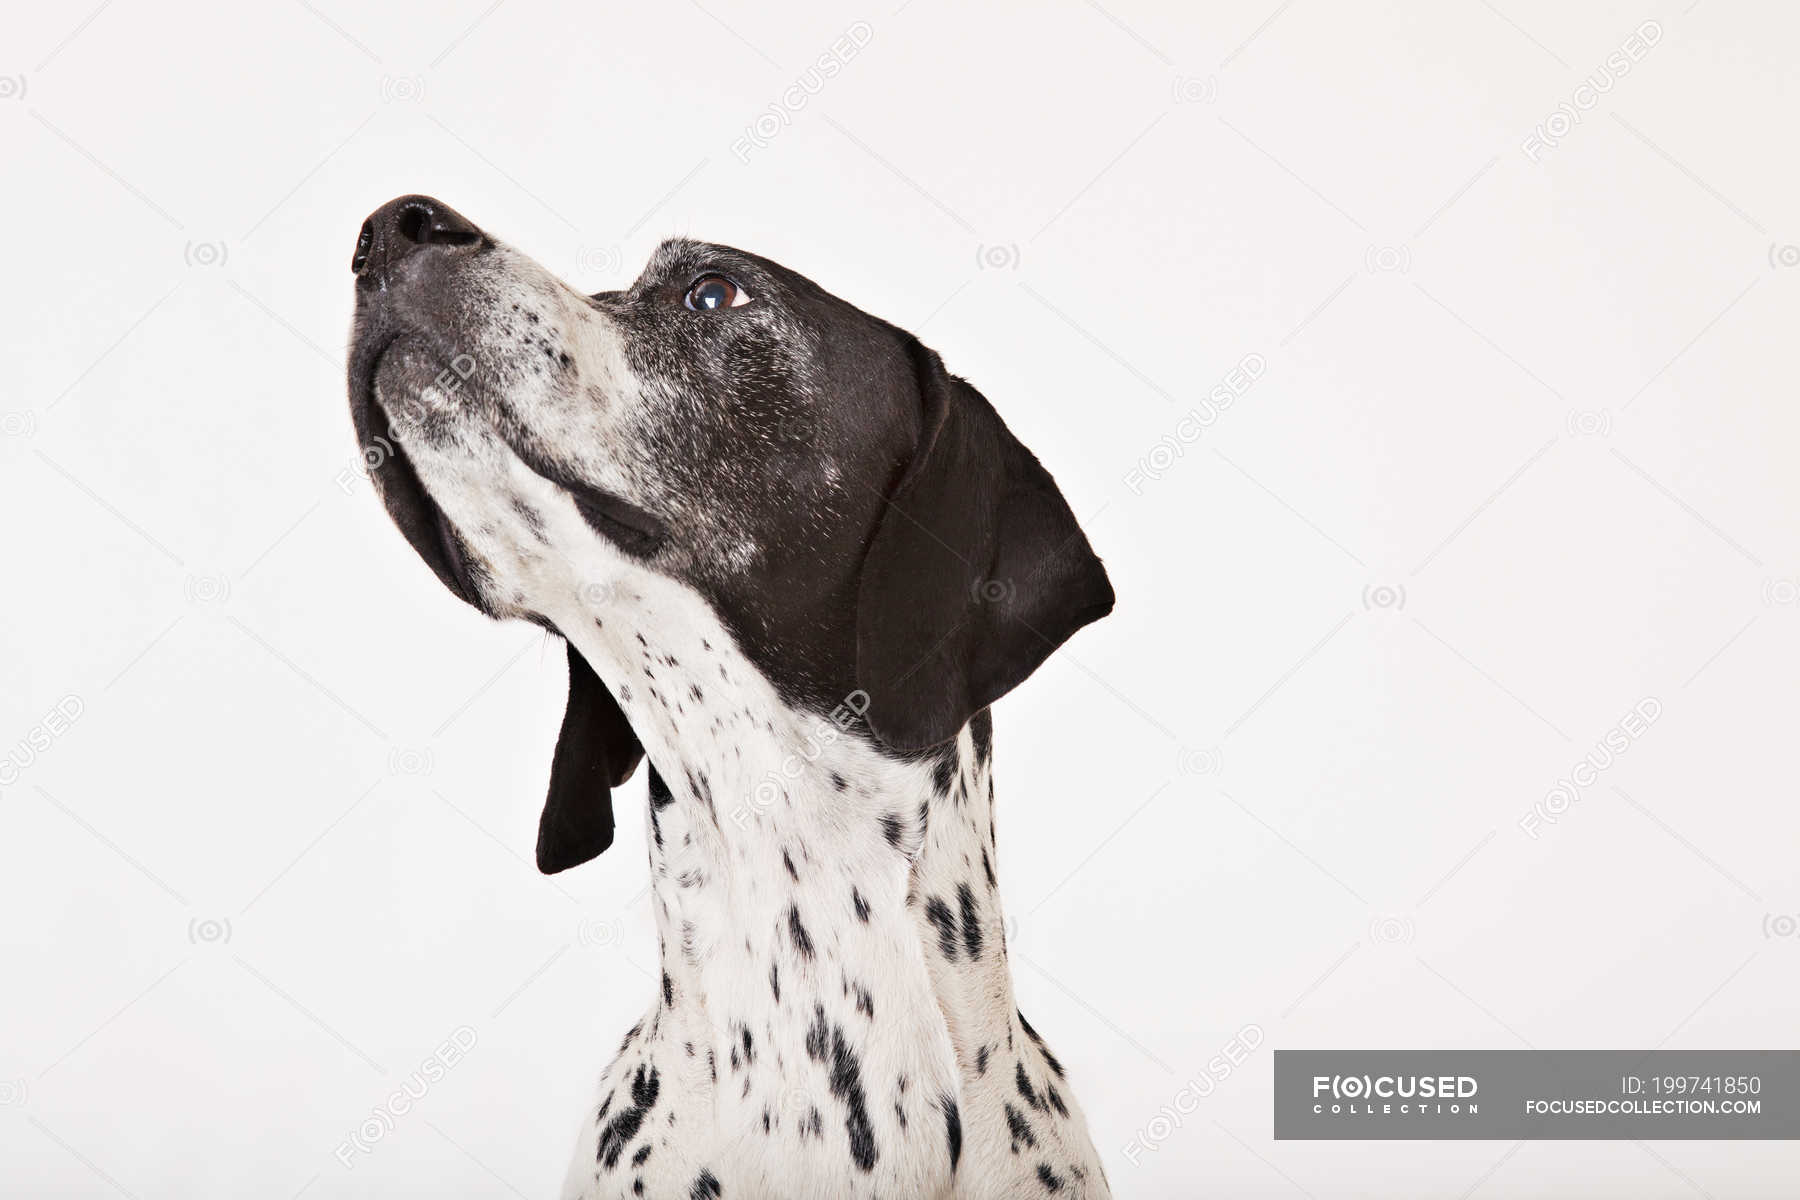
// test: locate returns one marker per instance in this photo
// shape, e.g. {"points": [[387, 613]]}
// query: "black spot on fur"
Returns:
{"points": [[825, 1043], [1056, 1100], [1026, 1090], [938, 913], [749, 1046], [839, 782], [1049, 1178], [788, 862], [797, 931], [892, 828], [534, 520], [860, 905], [668, 990], [1049, 1058], [660, 795], [987, 868], [622, 1128], [952, 1130], [981, 1057], [846, 1085], [943, 774], [775, 980], [642, 1156], [971, 921], [1020, 1129], [706, 1187], [702, 788]]}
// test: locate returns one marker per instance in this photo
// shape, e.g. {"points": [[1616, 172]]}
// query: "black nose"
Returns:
{"points": [[404, 226]]}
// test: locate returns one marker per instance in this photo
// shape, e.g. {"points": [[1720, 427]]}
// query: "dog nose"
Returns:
{"points": [[405, 226]]}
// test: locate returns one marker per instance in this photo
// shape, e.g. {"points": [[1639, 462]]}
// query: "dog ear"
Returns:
{"points": [[977, 571], [595, 752]]}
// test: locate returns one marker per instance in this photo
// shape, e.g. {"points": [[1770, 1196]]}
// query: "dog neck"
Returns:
{"points": [[815, 897]]}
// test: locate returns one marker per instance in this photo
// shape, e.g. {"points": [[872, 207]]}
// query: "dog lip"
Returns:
{"points": [[629, 526], [456, 560], [421, 520], [613, 517]]}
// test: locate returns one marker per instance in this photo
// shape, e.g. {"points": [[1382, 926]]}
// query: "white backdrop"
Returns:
{"points": [[1517, 457]]}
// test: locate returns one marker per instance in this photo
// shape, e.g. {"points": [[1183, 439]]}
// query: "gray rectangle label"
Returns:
{"points": [[1560, 1095]]}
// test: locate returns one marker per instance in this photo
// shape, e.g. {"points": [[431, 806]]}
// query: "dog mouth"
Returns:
{"points": [[630, 528], [420, 520], [423, 522]]}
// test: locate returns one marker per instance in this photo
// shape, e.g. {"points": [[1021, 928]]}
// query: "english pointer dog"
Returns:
{"points": [[794, 561]]}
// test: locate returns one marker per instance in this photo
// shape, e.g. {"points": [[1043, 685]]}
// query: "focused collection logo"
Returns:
{"points": [[1395, 1095]]}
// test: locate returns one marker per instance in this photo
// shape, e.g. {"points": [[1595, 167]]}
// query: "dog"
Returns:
{"points": [[794, 561]]}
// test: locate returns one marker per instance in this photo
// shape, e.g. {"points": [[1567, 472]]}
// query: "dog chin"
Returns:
{"points": [[388, 402], [420, 394]]}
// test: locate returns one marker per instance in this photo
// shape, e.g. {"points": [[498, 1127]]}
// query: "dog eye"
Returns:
{"points": [[715, 291]]}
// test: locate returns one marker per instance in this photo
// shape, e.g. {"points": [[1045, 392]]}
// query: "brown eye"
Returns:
{"points": [[715, 291]]}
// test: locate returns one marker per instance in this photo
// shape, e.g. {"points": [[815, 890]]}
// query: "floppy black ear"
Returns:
{"points": [[976, 573], [595, 752]]}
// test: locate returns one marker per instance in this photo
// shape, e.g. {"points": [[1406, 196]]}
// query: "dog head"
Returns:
{"points": [[860, 521]]}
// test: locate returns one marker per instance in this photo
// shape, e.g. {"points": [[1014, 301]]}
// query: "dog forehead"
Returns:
{"points": [[683, 255]]}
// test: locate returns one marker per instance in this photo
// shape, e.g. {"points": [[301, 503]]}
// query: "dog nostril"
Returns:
{"points": [[411, 222], [364, 241]]}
